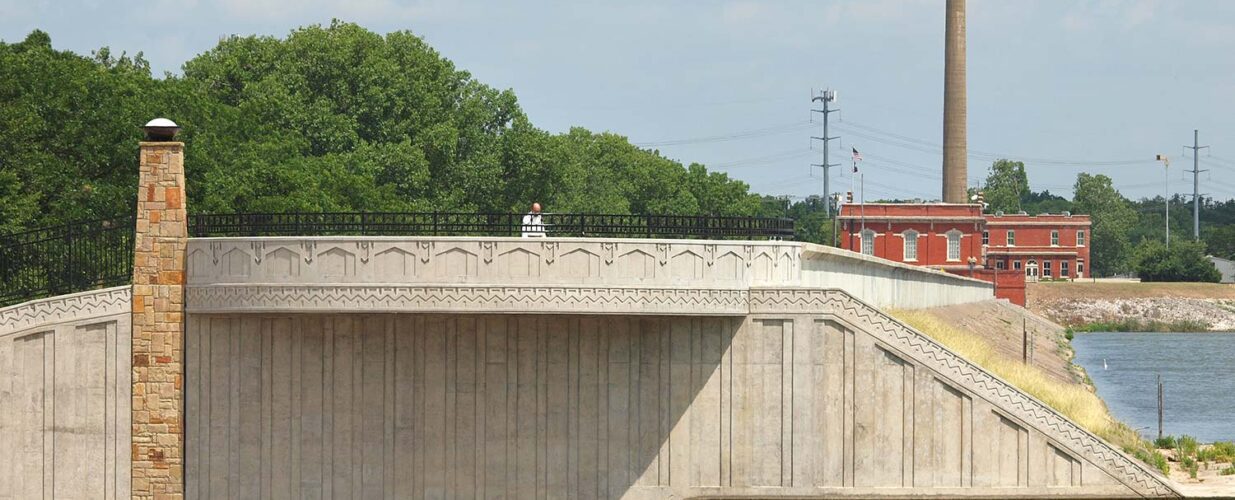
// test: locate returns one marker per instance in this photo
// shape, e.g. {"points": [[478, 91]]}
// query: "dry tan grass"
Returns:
{"points": [[1074, 400], [1053, 291]]}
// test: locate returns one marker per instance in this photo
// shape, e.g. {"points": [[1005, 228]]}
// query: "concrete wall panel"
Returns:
{"points": [[65, 397], [577, 406]]}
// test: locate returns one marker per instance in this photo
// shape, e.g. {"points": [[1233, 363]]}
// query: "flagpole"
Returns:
{"points": [[862, 186]]}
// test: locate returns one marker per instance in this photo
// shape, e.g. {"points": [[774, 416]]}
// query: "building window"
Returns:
{"points": [[1080, 269], [911, 245], [1031, 268], [1080, 242], [1016, 264], [954, 245], [1000, 265], [1011, 238], [1054, 238], [986, 237], [868, 242], [1063, 269], [1046, 268]]}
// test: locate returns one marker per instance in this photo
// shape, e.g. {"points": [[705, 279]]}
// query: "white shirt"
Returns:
{"points": [[532, 226]]}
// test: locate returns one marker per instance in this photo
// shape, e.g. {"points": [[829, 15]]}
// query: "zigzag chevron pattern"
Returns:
{"points": [[467, 298], [32, 314], [977, 380]]}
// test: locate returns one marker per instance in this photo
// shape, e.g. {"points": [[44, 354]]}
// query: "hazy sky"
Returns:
{"points": [[1098, 86]]}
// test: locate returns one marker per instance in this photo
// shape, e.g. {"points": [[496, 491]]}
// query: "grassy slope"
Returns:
{"points": [[1074, 399]]}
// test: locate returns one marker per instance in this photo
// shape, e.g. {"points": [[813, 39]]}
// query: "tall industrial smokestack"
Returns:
{"points": [[955, 147]]}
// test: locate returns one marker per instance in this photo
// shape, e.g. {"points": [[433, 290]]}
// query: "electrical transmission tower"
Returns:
{"points": [[826, 96], [1196, 148]]}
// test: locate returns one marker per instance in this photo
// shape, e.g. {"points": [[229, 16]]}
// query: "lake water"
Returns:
{"points": [[1198, 372]]}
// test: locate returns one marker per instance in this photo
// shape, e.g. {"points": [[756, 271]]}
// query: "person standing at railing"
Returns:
{"points": [[533, 227]]}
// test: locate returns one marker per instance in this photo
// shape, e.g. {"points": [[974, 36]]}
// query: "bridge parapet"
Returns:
{"points": [[537, 275]]}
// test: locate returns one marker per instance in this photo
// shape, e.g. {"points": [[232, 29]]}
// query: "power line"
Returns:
{"points": [[746, 134], [761, 160], [934, 148]]}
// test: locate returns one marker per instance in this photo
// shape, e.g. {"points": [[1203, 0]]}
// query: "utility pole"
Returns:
{"points": [[825, 96], [1166, 163], [1196, 183]]}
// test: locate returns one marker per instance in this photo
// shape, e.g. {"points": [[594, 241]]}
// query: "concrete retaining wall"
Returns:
{"points": [[813, 394], [886, 284], [65, 397]]}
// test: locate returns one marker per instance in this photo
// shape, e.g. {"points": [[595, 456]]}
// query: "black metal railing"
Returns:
{"points": [[66, 259], [497, 224]]}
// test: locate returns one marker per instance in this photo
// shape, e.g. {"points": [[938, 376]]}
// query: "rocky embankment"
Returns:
{"points": [[1153, 306]]}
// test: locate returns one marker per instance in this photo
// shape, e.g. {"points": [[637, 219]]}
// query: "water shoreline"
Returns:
{"points": [[1143, 326]]}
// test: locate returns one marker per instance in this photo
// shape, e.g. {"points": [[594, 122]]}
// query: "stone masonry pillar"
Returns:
{"points": [[158, 320]]}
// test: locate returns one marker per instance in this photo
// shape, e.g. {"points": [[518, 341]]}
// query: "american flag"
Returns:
{"points": [[857, 157]]}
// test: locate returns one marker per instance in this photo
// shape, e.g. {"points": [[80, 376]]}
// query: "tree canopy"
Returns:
{"points": [[328, 118], [1182, 261], [1006, 184]]}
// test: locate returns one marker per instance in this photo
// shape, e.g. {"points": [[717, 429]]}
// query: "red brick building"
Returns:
{"points": [[939, 235], [1047, 246], [1005, 249]]}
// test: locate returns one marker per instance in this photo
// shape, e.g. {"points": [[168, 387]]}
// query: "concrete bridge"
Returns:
{"points": [[401, 367]]}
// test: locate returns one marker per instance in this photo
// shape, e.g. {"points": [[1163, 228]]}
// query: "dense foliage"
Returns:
{"points": [[330, 118], [1181, 261]]}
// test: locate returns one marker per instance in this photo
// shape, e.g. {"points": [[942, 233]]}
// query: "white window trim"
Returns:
{"points": [[960, 239], [862, 241], [1055, 238], [986, 237], [1063, 269], [1010, 237], [1046, 269], [905, 245], [1080, 237]]}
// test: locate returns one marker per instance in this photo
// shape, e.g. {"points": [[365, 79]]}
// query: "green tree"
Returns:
{"points": [[1006, 184], [1045, 203], [1182, 261], [1112, 219], [328, 118], [17, 207], [1220, 240]]}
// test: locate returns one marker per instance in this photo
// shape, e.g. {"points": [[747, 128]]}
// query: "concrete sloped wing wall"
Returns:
{"points": [[1015, 439], [65, 396]]}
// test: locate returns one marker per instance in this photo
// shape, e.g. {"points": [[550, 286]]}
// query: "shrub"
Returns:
{"points": [[1165, 442], [1224, 450], [1187, 446], [1182, 261], [1229, 471]]}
